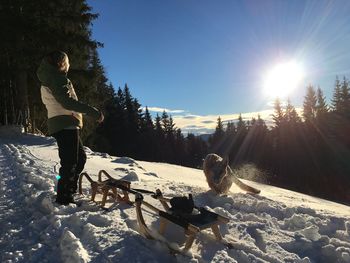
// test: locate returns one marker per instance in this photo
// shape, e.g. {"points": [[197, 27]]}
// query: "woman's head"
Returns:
{"points": [[59, 59]]}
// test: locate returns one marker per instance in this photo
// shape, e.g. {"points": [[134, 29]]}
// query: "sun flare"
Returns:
{"points": [[282, 79]]}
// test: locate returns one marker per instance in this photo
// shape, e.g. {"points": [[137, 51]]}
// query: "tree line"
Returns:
{"points": [[129, 130], [28, 31], [308, 153], [31, 29]]}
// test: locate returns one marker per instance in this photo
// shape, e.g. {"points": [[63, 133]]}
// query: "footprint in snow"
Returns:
{"points": [[257, 236], [99, 220], [151, 174]]}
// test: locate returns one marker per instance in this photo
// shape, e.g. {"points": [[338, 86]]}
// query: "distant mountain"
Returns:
{"points": [[204, 137]]}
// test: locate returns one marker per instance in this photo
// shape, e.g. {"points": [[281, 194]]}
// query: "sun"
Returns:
{"points": [[283, 79]]}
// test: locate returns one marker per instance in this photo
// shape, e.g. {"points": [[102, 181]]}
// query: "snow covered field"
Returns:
{"points": [[276, 226]]}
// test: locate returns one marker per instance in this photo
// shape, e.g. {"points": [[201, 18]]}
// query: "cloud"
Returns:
{"points": [[197, 130], [201, 124], [190, 116], [158, 109], [204, 124], [208, 122], [193, 127], [232, 120]]}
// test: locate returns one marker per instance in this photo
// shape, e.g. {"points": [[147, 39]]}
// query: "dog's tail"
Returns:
{"points": [[244, 186]]}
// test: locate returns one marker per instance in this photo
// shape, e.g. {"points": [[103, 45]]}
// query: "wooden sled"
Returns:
{"points": [[191, 223], [108, 187]]}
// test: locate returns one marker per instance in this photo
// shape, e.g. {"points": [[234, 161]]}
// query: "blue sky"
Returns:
{"points": [[205, 58]]}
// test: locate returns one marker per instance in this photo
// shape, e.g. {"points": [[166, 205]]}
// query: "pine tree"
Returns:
{"points": [[336, 100], [158, 127], [230, 129], [241, 125], [321, 107], [291, 116], [36, 28], [216, 139], [147, 140], [219, 130], [196, 150], [278, 116], [171, 130], [160, 137], [310, 102], [134, 113], [180, 152], [345, 98], [260, 122], [133, 120], [147, 121], [166, 122], [100, 93], [120, 100], [253, 121]]}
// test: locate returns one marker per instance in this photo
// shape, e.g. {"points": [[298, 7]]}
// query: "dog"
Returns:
{"points": [[220, 176]]}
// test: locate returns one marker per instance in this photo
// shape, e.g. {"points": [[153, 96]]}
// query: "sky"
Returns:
{"points": [[204, 59]]}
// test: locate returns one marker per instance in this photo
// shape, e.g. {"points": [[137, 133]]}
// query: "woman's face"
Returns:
{"points": [[64, 65]]}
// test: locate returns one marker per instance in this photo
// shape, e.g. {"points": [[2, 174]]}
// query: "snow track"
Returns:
{"points": [[35, 229], [14, 242]]}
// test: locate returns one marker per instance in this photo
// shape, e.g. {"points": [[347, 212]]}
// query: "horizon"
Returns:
{"points": [[199, 62]]}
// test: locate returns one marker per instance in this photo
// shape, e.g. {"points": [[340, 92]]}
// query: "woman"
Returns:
{"points": [[64, 121]]}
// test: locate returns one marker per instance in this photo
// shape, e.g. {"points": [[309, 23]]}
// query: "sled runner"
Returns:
{"points": [[108, 187], [183, 213]]}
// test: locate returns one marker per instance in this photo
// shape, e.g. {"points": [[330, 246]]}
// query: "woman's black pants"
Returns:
{"points": [[73, 159]]}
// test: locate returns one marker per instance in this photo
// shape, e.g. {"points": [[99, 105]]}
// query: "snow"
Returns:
{"points": [[276, 226], [71, 248]]}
